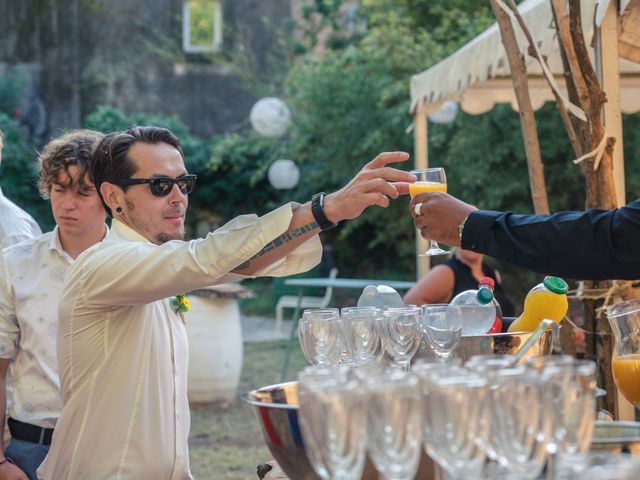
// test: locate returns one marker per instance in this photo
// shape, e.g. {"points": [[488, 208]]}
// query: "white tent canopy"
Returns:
{"points": [[478, 74]]}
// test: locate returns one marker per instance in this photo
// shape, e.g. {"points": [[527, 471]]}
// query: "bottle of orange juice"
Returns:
{"points": [[546, 300]]}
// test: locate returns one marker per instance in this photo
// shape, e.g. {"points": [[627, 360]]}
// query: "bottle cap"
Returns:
{"points": [[489, 281], [556, 285], [484, 296]]}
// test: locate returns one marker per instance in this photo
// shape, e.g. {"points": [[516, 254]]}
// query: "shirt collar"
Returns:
{"points": [[1, 194], [56, 244], [121, 231]]}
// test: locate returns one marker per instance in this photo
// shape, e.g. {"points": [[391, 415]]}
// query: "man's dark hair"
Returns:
{"points": [[73, 148], [111, 161]]}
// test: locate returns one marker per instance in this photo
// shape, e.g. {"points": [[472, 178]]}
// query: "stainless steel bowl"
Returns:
{"points": [[276, 407], [498, 343]]}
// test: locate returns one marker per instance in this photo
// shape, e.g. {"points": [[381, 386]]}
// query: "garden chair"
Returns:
{"points": [[295, 301]]}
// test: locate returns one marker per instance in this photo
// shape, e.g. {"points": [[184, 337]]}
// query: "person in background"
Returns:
{"points": [[591, 245], [122, 343], [16, 225], [31, 279], [461, 272]]}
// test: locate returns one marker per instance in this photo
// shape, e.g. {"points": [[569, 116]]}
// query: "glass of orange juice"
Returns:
{"points": [[624, 319], [429, 180]]}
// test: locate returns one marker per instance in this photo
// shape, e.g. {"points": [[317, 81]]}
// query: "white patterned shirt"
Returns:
{"points": [[32, 275], [122, 351], [16, 225]]}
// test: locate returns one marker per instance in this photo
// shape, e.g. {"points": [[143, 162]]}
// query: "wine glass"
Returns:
{"points": [[442, 328], [394, 429], [402, 336], [319, 331], [429, 180], [363, 338], [332, 418]]}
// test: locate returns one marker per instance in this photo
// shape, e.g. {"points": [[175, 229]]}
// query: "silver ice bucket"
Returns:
{"points": [[276, 408]]}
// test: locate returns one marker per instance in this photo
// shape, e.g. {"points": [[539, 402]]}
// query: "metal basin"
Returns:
{"points": [[276, 407], [498, 343], [617, 436]]}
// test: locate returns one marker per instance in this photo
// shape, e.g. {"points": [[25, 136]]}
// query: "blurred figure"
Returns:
{"points": [[461, 272], [16, 225]]}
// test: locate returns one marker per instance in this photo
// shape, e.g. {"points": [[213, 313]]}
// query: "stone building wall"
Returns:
{"points": [[77, 54]]}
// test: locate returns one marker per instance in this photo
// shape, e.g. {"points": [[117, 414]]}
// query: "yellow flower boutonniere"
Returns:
{"points": [[180, 304]]}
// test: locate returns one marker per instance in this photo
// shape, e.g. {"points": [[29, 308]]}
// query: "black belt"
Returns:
{"points": [[29, 433]]}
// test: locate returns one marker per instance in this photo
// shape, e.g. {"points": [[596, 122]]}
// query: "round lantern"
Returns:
{"points": [[283, 174], [446, 114], [270, 117]]}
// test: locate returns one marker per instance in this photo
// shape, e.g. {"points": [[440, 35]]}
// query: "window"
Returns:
{"points": [[201, 25]]}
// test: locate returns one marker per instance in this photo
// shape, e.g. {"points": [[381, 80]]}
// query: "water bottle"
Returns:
{"points": [[380, 296], [497, 323], [478, 311]]}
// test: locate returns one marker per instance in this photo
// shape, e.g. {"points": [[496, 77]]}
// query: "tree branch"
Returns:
{"points": [[527, 117]]}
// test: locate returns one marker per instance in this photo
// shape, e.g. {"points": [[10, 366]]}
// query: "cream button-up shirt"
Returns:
{"points": [[122, 351], [32, 274], [16, 225]]}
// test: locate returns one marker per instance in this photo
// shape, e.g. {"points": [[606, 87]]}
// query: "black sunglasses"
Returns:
{"points": [[161, 186]]}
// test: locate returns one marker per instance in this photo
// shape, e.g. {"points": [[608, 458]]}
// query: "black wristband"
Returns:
{"points": [[317, 210]]}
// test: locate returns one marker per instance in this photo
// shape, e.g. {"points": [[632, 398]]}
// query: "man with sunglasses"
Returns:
{"points": [[122, 347], [32, 275]]}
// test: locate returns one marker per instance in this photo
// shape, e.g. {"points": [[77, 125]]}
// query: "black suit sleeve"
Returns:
{"points": [[591, 245]]}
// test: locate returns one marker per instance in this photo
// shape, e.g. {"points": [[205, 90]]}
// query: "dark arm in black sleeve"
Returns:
{"points": [[591, 245]]}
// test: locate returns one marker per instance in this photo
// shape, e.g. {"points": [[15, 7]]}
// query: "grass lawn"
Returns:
{"points": [[227, 444]]}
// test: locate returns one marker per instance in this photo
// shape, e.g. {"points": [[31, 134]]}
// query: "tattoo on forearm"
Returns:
{"points": [[281, 240]]}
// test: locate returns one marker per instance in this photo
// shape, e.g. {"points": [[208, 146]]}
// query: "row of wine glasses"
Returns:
{"points": [[486, 419], [359, 336]]}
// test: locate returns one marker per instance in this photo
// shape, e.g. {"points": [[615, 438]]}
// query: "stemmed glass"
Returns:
{"points": [[401, 327], [319, 331], [394, 429], [442, 328], [429, 180], [332, 421], [459, 423], [363, 338], [521, 422]]}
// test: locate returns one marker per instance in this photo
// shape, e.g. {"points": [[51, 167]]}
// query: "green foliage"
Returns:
{"points": [[10, 86], [19, 171], [352, 103], [238, 168]]}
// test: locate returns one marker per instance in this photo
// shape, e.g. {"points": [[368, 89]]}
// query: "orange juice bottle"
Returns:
{"points": [[546, 300], [626, 371]]}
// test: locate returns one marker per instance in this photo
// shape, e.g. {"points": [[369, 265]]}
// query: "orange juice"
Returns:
{"points": [[626, 373], [546, 300], [426, 187]]}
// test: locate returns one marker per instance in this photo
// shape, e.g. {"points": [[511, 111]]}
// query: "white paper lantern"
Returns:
{"points": [[270, 117], [446, 114], [283, 174]]}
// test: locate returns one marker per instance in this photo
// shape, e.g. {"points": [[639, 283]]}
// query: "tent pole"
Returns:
{"points": [[421, 159], [608, 73]]}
